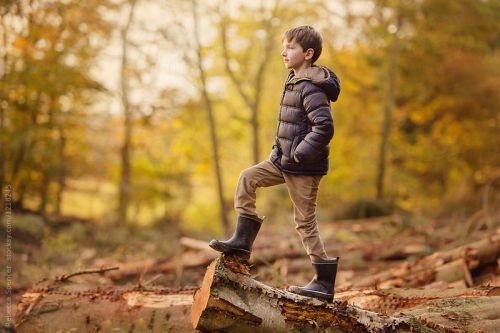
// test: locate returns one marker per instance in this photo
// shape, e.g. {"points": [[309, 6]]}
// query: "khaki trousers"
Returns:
{"points": [[303, 191]]}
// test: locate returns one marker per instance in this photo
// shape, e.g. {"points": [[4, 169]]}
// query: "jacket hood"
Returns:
{"points": [[322, 77]]}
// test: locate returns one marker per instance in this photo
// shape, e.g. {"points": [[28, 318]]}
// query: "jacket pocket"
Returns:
{"points": [[295, 143]]}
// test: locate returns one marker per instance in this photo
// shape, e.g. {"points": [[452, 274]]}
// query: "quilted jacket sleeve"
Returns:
{"points": [[317, 106]]}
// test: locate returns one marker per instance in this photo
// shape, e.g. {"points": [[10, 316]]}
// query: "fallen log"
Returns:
{"points": [[203, 255], [194, 244], [388, 301], [458, 314], [231, 301], [66, 307], [185, 260], [449, 266]]}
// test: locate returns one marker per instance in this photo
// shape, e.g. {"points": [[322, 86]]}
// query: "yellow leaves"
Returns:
{"points": [[22, 44], [447, 132], [177, 123], [437, 106], [405, 203]]}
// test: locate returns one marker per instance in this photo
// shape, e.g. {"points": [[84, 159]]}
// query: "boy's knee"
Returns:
{"points": [[246, 180], [248, 175], [245, 174]]}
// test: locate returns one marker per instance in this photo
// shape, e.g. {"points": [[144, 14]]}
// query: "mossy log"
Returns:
{"points": [[231, 301]]}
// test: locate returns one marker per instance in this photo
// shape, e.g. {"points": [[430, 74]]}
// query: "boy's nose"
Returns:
{"points": [[283, 53]]}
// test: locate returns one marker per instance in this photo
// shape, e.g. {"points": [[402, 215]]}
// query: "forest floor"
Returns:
{"points": [[46, 247]]}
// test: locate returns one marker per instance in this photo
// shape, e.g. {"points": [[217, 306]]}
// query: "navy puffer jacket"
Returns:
{"points": [[305, 125]]}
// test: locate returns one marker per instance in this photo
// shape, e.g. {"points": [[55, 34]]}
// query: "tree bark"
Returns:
{"points": [[67, 307]]}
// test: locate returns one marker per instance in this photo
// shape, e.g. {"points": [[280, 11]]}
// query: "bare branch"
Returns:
{"points": [[65, 277]]}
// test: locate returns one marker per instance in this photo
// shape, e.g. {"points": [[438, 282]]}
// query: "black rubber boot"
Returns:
{"points": [[322, 285], [241, 243]]}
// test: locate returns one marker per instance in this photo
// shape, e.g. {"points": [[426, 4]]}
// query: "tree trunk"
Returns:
{"points": [[44, 186], [253, 103], [213, 134], [124, 196], [28, 145], [387, 107], [3, 94], [3, 142], [61, 176]]}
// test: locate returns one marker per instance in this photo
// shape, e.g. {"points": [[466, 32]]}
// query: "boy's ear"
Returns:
{"points": [[309, 53]]}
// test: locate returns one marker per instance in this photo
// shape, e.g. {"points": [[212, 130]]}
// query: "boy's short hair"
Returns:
{"points": [[307, 37]]}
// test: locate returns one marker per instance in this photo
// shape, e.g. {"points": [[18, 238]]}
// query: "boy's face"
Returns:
{"points": [[294, 56]]}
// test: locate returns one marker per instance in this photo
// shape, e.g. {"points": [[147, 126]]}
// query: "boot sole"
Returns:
{"points": [[218, 246], [311, 293]]}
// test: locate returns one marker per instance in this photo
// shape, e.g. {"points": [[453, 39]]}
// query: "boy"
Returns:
{"points": [[299, 158]]}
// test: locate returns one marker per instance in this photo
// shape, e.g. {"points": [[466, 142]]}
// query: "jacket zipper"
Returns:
{"points": [[281, 103]]}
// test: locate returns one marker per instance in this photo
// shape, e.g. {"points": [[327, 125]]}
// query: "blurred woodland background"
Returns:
{"points": [[124, 125]]}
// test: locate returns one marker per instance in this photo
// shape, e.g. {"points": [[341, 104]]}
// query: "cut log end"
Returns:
{"points": [[204, 303], [202, 295]]}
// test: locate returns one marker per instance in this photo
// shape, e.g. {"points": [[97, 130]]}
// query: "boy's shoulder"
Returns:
{"points": [[317, 78]]}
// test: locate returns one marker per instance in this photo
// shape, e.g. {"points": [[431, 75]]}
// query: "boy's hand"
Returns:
{"points": [[296, 160]]}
